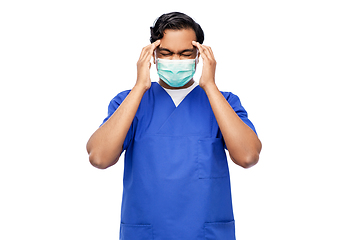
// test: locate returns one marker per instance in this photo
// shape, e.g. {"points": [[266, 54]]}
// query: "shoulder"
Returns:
{"points": [[230, 97], [226, 94], [117, 100], [120, 96]]}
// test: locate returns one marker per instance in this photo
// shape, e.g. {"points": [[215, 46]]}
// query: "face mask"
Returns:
{"points": [[176, 73]]}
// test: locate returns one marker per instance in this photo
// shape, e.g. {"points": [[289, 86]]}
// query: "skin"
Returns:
{"points": [[106, 144]]}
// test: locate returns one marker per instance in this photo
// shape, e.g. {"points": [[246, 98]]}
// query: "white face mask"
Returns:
{"points": [[176, 73]]}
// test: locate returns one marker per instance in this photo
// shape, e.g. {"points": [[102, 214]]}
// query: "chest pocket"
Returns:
{"points": [[211, 158]]}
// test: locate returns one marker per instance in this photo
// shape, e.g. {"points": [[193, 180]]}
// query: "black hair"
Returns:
{"points": [[175, 20]]}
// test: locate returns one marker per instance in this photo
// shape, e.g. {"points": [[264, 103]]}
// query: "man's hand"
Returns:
{"points": [[208, 72], [143, 65]]}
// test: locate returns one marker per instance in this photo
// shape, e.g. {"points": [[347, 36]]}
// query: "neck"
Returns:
{"points": [[164, 85]]}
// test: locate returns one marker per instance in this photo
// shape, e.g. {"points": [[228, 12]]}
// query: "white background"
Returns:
{"points": [[294, 65]]}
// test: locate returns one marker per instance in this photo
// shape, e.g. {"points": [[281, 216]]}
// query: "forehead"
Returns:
{"points": [[177, 40]]}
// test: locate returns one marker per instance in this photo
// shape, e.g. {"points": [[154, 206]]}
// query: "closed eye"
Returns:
{"points": [[166, 54]]}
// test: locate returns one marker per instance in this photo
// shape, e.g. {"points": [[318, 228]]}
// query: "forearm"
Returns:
{"points": [[242, 143], [106, 144]]}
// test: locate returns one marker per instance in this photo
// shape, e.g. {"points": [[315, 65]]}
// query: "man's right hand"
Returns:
{"points": [[144, 64]]}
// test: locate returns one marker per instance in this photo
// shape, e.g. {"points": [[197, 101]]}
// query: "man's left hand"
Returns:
{"points": [[209, 65]]}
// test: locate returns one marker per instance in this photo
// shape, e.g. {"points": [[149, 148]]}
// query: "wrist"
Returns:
{"points": [[209, 87], [141, 87]]}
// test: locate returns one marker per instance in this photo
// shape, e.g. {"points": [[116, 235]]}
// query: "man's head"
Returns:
{"points": [[176, 33], [175, 21]]}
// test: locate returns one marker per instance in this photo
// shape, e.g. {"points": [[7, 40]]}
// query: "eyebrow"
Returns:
{"points": [[185, 50]]}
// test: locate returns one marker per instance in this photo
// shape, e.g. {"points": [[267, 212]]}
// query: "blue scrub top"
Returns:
{"points": [[176, 179]]}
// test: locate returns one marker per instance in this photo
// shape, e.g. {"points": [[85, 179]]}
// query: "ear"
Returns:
{"points": [[154, 56]]}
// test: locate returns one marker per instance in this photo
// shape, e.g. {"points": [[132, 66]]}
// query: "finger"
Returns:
{"points": [[196, 44], [200, 48], [209, 52], [148, 51], [145, 51], [156, 43], [207, 48], [154, 46]]}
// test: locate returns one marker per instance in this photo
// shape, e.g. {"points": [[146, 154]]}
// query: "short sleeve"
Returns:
{"points": [[113, 106], [235, 103]]}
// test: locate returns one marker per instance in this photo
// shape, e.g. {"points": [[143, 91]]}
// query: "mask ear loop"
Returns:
{"points": [[197, 59], [156, 59]]}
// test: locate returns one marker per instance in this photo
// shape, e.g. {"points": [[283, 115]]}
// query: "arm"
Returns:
{"points": [[106, 144], [242, 143]]}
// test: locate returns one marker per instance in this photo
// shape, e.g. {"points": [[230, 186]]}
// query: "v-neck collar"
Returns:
{"points": [[163, 91]]}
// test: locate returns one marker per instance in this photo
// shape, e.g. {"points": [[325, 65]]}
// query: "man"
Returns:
{"points": [[174, 131]]}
